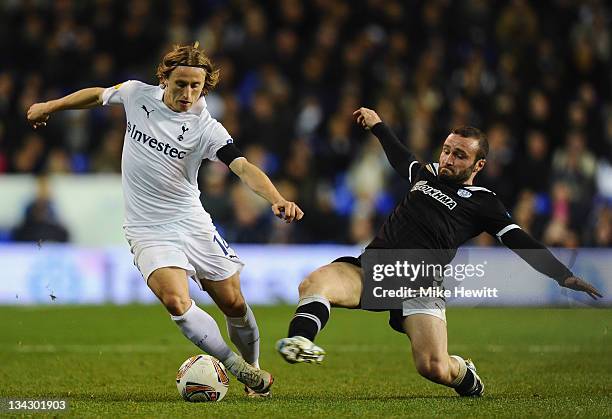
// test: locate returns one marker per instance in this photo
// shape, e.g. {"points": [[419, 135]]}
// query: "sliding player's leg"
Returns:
{"points": [[338, 284], [428, 338]]}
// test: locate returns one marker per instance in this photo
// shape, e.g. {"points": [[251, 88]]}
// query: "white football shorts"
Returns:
{"points": [[425, 305], [200, 251]]}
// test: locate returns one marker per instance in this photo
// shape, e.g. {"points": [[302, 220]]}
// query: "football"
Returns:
{"points": [[202, 378]]}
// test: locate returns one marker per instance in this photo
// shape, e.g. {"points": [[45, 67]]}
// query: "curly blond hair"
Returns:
{"points": [[188, 55]]}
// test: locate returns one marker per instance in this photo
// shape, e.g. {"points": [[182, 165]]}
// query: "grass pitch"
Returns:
{"points": [[122, 361]]}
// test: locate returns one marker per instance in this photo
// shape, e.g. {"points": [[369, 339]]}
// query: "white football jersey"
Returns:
{"points": [[162, 152]]}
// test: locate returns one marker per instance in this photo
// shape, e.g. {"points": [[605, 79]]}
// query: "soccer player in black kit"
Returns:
{"points": [[441, 211]]}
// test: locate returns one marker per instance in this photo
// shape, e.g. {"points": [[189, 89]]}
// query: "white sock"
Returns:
{"points": [[200, 328], [462, 370], [244, 334], [234, 363]]}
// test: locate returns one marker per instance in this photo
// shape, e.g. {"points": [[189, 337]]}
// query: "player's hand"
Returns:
{"points": [[287, 210], [38, 115], [367, 118], [575, 283]]}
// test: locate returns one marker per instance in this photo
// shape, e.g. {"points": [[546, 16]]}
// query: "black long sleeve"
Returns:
{"points": [[397, 153], [536, 254]]}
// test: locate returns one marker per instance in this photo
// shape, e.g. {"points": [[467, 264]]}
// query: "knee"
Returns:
{"points": [[176, 304], [433, 369], [314, 283], [233, 305]]}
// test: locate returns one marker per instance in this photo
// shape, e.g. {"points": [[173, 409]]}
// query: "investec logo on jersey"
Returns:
{"points": [[436, 194], [156, 145]]}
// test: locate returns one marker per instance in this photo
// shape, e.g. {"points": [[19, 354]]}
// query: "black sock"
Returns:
{"points": [[309, 319], [467, 386]]}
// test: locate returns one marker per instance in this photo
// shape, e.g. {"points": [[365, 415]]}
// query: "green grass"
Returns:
{"points": [[121, 361]]}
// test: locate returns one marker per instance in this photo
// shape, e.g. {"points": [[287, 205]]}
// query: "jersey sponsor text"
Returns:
{"points": [[154, 144], [436, 194]]}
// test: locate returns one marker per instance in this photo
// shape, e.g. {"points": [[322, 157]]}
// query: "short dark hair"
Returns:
{"points": [[471, 132]]}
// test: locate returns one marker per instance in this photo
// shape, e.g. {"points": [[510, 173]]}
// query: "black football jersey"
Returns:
{"points": [[436, 214], [440, 216]]}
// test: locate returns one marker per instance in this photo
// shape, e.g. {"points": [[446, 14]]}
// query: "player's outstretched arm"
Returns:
{"points": [[262, 186], [579, 284], [397, 153], [540, 258], [38, 114]]}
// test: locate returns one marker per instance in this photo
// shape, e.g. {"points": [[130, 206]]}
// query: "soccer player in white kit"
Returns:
{"points": [[169, 132]]}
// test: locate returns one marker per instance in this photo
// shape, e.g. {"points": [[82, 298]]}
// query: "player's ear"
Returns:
{"points": [[480, 164], [163, 81]]}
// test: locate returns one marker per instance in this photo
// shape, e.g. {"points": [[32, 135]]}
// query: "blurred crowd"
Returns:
{"points": [[535, 76]]}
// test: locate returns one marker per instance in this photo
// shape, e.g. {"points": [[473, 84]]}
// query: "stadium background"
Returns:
{"points": [[536, 76]]}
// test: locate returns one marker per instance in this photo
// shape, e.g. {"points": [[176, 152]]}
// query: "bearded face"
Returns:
{"points": [[458, 163]]}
